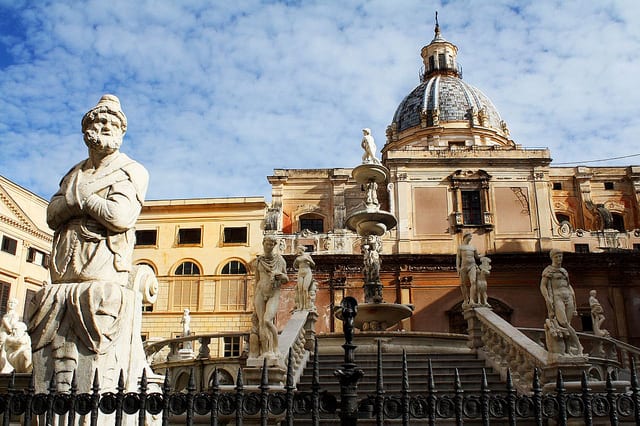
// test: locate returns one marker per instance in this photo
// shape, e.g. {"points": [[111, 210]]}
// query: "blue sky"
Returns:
{"points": [[218, 94]]}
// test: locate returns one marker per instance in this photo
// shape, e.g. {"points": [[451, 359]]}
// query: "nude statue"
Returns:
{"points": [[89, 317], [466, 258], [185, 322], [478, 291], [17, 347], [9, 319], [597, 315], [369, 146], [561, 306], [270, 273], [304, 264]]}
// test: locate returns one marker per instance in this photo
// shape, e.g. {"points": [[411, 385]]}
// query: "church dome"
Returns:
{"points": [[448, 98], [443, 99]]}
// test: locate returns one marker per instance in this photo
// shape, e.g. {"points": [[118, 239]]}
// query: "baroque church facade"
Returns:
{"points": [[455, 169]]}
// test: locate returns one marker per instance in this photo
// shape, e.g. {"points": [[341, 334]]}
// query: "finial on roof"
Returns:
{"points": [[437, 30]]}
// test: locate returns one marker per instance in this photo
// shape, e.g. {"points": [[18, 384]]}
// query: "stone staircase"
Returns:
{"points": [[443, 366], [446, 353]]}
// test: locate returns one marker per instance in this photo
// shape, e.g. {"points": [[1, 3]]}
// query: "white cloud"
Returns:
{"points": [[219, 94]]}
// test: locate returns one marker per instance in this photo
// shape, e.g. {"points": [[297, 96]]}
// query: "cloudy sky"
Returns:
{"points": [[218, 94]]}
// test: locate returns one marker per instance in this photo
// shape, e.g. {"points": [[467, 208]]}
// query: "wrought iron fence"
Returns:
{"points": [[266, 404]]}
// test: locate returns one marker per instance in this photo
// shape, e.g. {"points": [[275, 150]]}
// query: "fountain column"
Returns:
{"points": [[371, 223]]}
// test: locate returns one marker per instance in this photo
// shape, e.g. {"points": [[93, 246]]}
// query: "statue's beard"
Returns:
{"points": [[102, 143]]}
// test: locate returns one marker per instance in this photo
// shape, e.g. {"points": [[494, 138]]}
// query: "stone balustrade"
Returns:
{"points": [[605, 353], [504, 347]]}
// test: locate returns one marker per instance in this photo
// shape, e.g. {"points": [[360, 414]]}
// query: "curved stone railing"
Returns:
{"points": [[605, 353], [182, 348], [504, 347]]}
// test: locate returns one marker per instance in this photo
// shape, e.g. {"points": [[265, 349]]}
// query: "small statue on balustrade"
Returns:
{"points": [[186, 329], [466, 258], [597, 315], [478, 290], [304, 264], [560, 299]]}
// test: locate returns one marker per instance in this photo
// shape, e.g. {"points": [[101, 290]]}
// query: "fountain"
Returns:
{"points": [[371, 223]]}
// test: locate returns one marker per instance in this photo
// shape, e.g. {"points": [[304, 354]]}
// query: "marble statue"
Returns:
{"points": [[371, 259], [304, 265], [9, 319], [369, 146], [597, 315], [466, 258], [560, 299], [17, 347], [478, 290], [270, 273], [88, 319], [185, 322], [372, 194]]}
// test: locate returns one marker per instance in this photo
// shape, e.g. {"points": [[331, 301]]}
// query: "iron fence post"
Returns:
{"points": [[349, 375]]}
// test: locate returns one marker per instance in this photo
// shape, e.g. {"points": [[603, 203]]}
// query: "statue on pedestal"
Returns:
{"points": [[560, 299], [270, 273], [597, 315], [478, 291], [304, 264], [88, 318], [466, 258], [369, 146], [185, 322]]}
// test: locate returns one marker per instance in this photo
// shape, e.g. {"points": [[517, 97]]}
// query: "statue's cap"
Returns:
{"points": [[108, 103]]}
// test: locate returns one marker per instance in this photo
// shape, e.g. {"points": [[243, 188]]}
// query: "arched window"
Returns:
{"points": [[232, 287], [186, 289], [234, 267], [187, 268]]}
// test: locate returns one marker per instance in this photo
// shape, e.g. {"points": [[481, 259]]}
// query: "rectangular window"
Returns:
{"points": [[5, 289], [189, 236], [38, 257], [314, 225], [185, 293], [608, 185], [557, 186], [232, 346], [235, 235], [146, 237], [581, 248], [442, 63], [232, 294], [9, 245], [147, 307], [471, 208]]}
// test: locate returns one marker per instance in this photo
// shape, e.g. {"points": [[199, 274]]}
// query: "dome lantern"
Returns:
{"points": [[439, 56]]}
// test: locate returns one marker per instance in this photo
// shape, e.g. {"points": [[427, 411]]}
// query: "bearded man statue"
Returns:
{"points": [[88, 319]]}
